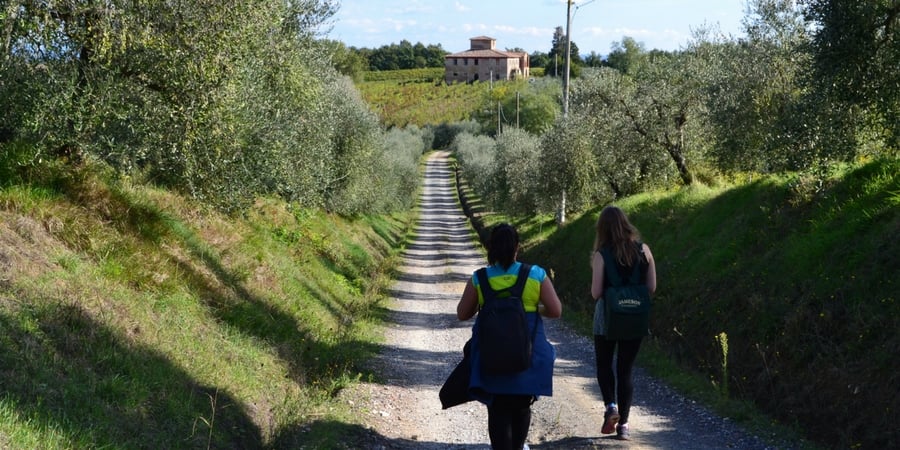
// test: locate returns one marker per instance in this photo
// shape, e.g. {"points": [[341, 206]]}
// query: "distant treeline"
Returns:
{"points": [[406, 55]]}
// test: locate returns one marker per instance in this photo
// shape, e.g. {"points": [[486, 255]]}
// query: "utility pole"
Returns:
{"points": [[517, 109], [565, 109], [561, 214]]}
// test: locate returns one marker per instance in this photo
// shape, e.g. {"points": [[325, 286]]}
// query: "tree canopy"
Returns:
{"points": [[224, 100]]}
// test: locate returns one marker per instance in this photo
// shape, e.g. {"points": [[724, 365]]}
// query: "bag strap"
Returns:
{"points": [[486, 291], [519, 288], [521, 279], [611, 267]]}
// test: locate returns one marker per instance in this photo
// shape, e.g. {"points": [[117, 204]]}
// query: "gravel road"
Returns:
{"points": [[423, 342]]}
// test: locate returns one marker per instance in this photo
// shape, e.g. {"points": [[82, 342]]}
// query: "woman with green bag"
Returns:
{"points": [[620, 241]]}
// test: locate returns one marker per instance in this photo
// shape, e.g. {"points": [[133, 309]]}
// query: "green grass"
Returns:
{"points": [[799, 272], [132, 317]]}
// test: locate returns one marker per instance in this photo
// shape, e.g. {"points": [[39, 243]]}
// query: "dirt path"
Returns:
{"points": [[423, 343]]}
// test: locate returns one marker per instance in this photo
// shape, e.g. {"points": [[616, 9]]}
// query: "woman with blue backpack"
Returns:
{"points": [[499, 377], [623, 277]]}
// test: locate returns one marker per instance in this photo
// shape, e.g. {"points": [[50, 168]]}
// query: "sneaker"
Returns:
{"points": [[610, 419], [622, 432]]}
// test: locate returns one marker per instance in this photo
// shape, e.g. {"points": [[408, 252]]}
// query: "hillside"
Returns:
{"points": [[419, 97], [133, 318], [798, 274]]}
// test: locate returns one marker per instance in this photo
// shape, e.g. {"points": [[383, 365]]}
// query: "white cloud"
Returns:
{"points": [[525, 31], [469, 27], [400, 25], [462, 8], [413, 7]]}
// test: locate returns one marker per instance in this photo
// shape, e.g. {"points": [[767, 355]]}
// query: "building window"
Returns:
{"points": [[455, 61], [476, 62]]}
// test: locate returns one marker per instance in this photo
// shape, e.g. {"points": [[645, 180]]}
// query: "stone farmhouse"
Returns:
{"points": [[483, 62]]}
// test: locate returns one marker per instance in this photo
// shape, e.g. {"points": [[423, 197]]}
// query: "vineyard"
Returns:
{"points": [[420, 97]]}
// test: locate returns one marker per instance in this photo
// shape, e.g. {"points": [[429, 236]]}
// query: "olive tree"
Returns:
{"points": [[224, 100], [477, 159], [856, 49], [753, 89], [568, 168], [518, 172]]}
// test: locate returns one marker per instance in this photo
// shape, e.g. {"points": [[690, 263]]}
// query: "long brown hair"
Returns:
{"points": [[616, 232]]}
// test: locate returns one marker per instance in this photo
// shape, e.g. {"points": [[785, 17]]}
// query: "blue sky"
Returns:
{"points": [[529, 24]]}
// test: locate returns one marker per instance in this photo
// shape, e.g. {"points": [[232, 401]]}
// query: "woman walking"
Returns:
{"points": [[620, 241], [509, 396]]}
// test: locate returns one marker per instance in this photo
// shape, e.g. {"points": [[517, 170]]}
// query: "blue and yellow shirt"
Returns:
{"points": [[501, 279]]}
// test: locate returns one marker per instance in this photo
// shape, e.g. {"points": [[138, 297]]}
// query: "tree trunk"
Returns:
{"points": [[676, 150]]}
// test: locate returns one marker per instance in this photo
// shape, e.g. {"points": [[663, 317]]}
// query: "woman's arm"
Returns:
{"points": [[552, 306], [651, 270], [596, 275], [468, 303]]}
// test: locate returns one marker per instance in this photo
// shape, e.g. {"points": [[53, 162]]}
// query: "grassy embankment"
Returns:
{"points": [[776, 295], [133, 318]]}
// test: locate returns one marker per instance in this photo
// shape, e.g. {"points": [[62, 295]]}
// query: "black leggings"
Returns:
{"points": [[612, 391], [509, 417]]}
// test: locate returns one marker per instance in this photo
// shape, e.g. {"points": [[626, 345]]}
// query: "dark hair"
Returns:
{"points": [[502, 245], [616, 232]]}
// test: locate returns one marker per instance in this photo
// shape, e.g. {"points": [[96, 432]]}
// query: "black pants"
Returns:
{"points": [[509, 417], [616, 387]]}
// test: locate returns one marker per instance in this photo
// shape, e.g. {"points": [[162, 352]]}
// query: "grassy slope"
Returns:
{"points": [[801, 277], [131, 317]]}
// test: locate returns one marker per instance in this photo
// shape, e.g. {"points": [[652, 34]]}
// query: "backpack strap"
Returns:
{"points": [[519, 288], [611, 267], [486, 290], [521, 279]]}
